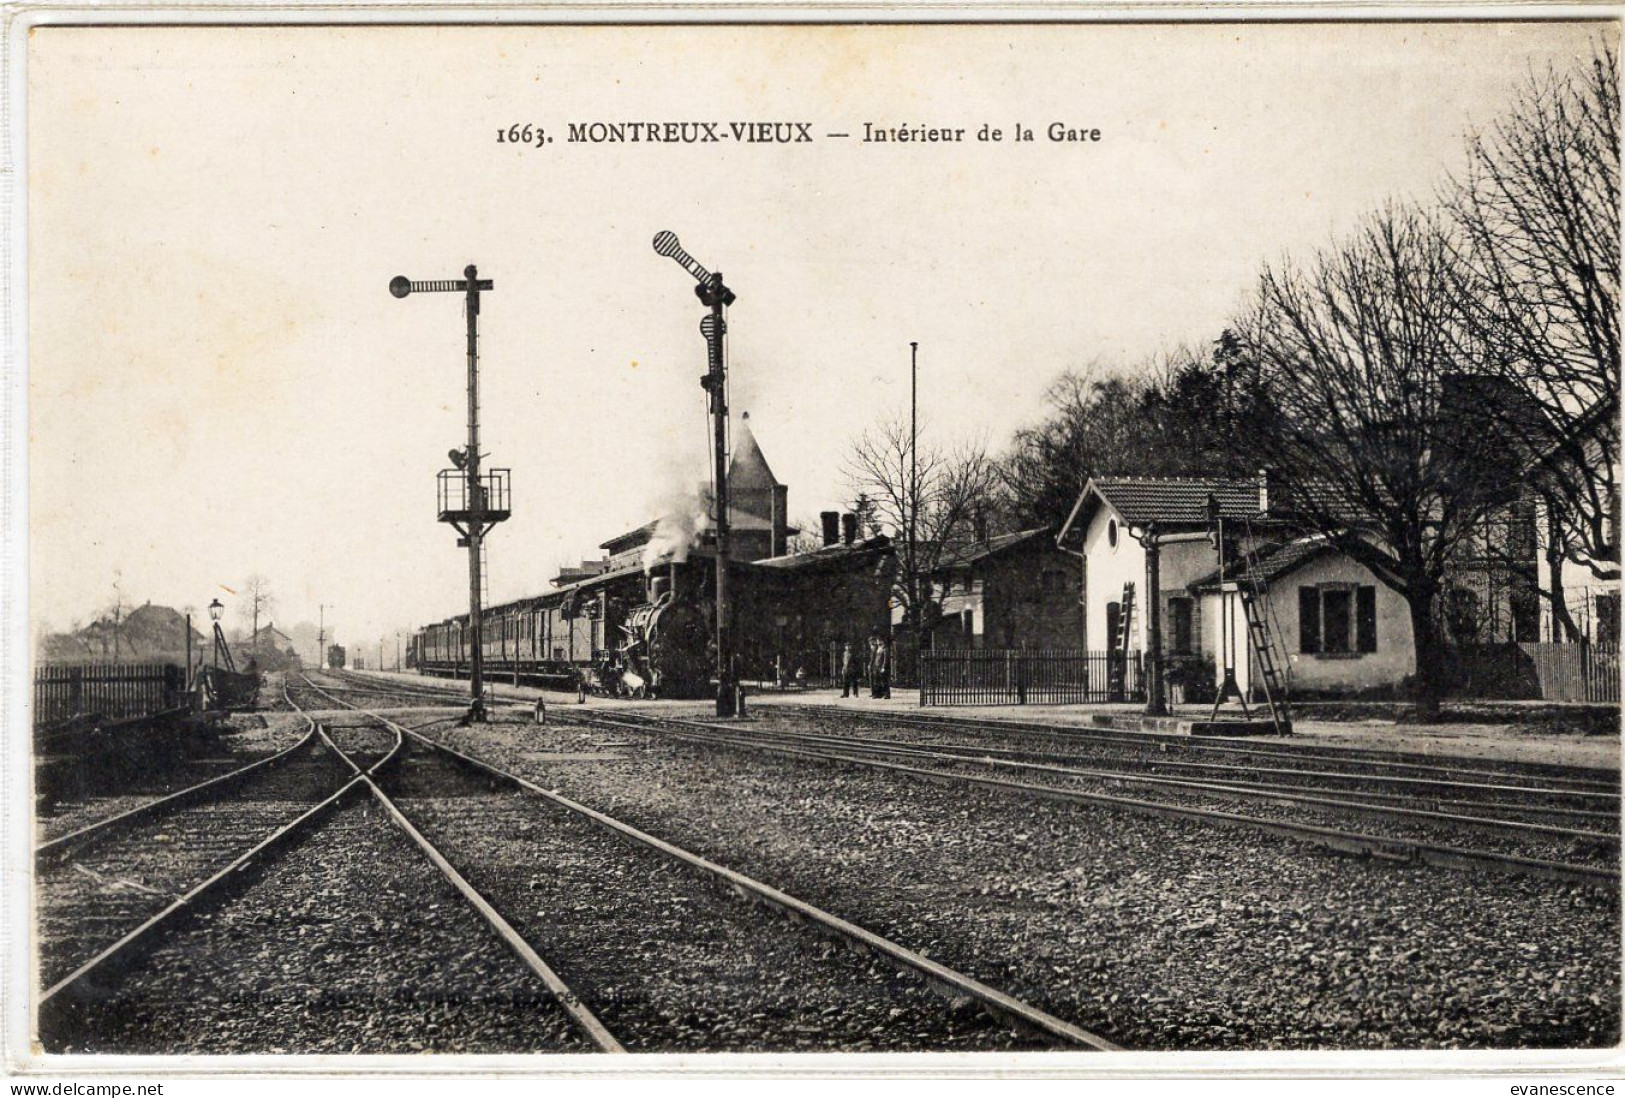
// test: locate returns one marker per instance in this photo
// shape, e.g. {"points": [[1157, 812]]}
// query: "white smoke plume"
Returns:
{"points": [[683, 516]]}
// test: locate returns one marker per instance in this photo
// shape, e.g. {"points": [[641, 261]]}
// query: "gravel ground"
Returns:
{"points": [[364, 744], [351, 943], [669, 961], [95, 895], [1602, 851], [1267, 751], [1507, 737], [135, 779], [1156, 934], [1342, 779]]}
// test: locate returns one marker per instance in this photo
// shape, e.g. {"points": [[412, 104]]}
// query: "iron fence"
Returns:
{"points": [[111, 690], [1528, 670], [1575, 672], [1018, 676]]}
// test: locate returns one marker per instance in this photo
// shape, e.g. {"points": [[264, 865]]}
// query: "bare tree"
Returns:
{"points": [[257, 592], [1538, 217], [1357, 353], [952, 484]]}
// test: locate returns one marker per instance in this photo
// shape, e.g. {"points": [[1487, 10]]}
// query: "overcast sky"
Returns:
{"points": [[220, 383]]}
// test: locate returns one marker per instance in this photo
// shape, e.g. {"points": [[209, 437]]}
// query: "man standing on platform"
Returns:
{"points": [[849, 671]]}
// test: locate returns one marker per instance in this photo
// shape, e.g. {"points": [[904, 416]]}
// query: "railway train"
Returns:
{"points": [[629, 632]]}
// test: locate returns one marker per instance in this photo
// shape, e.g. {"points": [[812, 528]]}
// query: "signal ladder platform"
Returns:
{"points": [[1223, 725]]}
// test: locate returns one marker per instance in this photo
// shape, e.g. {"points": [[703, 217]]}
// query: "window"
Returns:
{"points": [[1054, 581], [1111, 533], [1114, 614], [1337, 619], [1179, 625]]}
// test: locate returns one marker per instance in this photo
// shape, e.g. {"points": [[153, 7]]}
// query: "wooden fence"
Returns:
{"points": [[111, 690], [1017, 676]]}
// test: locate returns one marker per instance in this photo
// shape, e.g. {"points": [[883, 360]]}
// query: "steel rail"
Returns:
{"points": [[127, 946], [60, 845], [568, 1000], [1335, 775], [975, 753], [1585, 778], [1350, 842], [1276, 794], [996, 1002]]}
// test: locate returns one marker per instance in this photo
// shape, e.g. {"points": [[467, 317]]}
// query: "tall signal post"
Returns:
{"points": [[716, 296], [472, 504]]}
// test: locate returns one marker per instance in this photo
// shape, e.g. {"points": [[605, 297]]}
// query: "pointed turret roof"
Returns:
{"points": [[749, 469]]}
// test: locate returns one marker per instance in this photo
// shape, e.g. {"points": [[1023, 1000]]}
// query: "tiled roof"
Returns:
{"points": [[828, 557], [1268, 563], [631, 538], [960, 555], [1178, 500]]}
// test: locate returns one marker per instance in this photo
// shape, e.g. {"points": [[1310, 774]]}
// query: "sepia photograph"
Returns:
{"points": [[536, 541]]}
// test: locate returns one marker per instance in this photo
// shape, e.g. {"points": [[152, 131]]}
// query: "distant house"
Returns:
{"points": [[148, 633], [271, 649], [1007, 591]]}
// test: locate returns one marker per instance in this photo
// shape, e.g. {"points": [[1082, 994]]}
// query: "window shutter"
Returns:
{"points": [[1365, 620], [1309, 619]]}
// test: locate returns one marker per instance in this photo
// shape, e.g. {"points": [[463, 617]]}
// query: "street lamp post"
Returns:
{"points": [[215, 611], [716, 296], [479, 505]]}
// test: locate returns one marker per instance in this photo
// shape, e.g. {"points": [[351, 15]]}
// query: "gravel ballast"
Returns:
{"points": [[351, 943], [669, 960], [1157, 934]]}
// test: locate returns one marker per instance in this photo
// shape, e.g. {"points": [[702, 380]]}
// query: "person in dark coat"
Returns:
{"points": [[849, 671], [879, 668]]}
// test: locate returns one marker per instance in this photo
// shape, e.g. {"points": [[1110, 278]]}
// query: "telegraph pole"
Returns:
{"points": [[715, 294], [914, 607], [321, 635], [470, 503]]}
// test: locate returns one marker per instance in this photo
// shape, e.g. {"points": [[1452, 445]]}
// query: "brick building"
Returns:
{"points": [[1007, 591]]}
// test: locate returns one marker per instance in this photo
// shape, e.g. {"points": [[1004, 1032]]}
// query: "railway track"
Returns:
{"points": [[1217, 753], [1239, 752], [1541, 814], [1186, 800], [105, 886], [759, 986], [1549, 816], [106, 897]]}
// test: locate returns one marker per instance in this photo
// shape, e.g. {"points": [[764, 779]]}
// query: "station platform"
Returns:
{"points": [[1501, 732]]}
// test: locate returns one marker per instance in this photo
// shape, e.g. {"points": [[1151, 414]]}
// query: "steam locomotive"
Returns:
{"points": [[635, 634]]}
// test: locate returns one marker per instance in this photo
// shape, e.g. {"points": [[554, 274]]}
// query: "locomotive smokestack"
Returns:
{"points": [[849, 527], [832, 526]]}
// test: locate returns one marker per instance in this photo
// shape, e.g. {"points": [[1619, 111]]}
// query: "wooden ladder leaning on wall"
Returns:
{"points": [[1117, 658], [1262, 641]]}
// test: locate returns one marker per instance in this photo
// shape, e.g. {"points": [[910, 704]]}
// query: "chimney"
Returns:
{"points": [[979, 524], [832, 526], [781, 521], [1269, 485], [849, 528]]}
